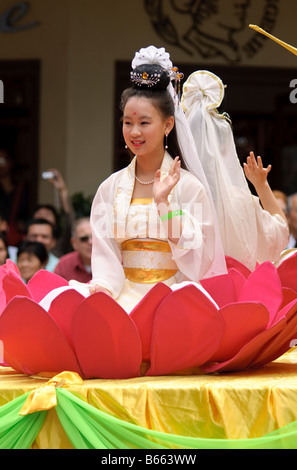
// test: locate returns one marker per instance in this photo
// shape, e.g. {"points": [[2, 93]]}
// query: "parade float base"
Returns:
{"points": [[227, 410]]}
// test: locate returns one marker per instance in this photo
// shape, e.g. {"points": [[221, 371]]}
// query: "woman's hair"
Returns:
{"points": [[3, 238], [35, 248], [161, 99]]}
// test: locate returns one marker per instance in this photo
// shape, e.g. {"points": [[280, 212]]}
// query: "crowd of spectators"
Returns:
{"points": [[49, 238]]}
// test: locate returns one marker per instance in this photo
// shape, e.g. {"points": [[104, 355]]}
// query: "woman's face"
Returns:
{"points": [[3, 253], [144, 128], [28, 265]]}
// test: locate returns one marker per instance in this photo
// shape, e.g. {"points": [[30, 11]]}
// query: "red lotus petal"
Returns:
{"points": [[62, 310], [232, 263], [14, 286], [280, 343], [106, 340], [245, 357], [288, 296], [264, 286], [187, 331], [144, 313], [220, 288], [43, 282], [32, 338], [243, 321], [287, 272]]}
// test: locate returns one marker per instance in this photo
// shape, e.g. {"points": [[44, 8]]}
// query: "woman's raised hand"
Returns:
{"points": [[254, 170], [162, 188]]}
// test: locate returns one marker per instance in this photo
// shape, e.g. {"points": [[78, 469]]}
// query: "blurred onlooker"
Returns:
{"points": [[13, 199], [32, 256], [3, 222], [282, 199], [292, 220], [3, 249], [77, 265], [46, 212], [12, 250], [62, 216], [41, 230]]}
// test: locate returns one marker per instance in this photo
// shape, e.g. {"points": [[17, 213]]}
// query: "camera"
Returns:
{"points": [[48, 175]]}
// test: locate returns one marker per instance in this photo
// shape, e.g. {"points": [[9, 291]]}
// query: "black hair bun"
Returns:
{"points": [[150, 76]]}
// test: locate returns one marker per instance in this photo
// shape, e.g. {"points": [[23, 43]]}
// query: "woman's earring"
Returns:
{"points": [[126, 146], [166, 141]]}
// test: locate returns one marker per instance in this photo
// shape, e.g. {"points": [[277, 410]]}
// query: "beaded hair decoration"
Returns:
{"points": [[146, 78], [148, 75], [152, 68]]}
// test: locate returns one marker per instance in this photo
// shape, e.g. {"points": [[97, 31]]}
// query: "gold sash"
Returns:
{"points": [[147, 261]]}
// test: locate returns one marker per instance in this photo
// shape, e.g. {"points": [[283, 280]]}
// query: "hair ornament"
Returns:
{"points": [[145, 78], [152, 55], [176, 76], [152, 67]]}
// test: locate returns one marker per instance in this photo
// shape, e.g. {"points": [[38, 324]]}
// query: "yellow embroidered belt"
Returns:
{"points": [[147, 261]]}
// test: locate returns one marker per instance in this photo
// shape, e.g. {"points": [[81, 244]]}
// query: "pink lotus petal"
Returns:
{"points": [[242, 321], [280, 343], [4, 269], [238, 281], [14, 286], [238, 266], [10, 266], [144, 313], [264, 286], [32, 338], [62, 310], [106, 340], [245, 357], [221, 289], [187, 331], [287, 272], [43, 282]]}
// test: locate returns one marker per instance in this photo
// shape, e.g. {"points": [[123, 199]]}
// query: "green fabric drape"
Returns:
{"points": [[89, 428], [18, 432]]}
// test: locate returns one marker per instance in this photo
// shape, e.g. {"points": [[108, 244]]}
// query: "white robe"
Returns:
{"points": [[112, 225]]}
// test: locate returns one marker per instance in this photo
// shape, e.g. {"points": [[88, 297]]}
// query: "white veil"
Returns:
{"points": [[203, 93]]}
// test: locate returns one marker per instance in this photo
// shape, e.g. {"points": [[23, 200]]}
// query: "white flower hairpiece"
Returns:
{"points": [[152, 55]]}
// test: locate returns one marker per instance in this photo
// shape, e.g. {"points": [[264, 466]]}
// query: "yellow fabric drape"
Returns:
{"points": [[44, 397], [237, 405]]}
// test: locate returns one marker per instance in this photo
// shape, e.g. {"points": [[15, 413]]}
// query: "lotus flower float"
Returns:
{"points": [[232, 322]]}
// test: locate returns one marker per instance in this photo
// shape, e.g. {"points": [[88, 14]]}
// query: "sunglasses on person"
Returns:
{"points": [[85, 238]]}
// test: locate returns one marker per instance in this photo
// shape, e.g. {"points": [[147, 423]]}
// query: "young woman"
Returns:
{"points": [[32, 256], [153, 220]]}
